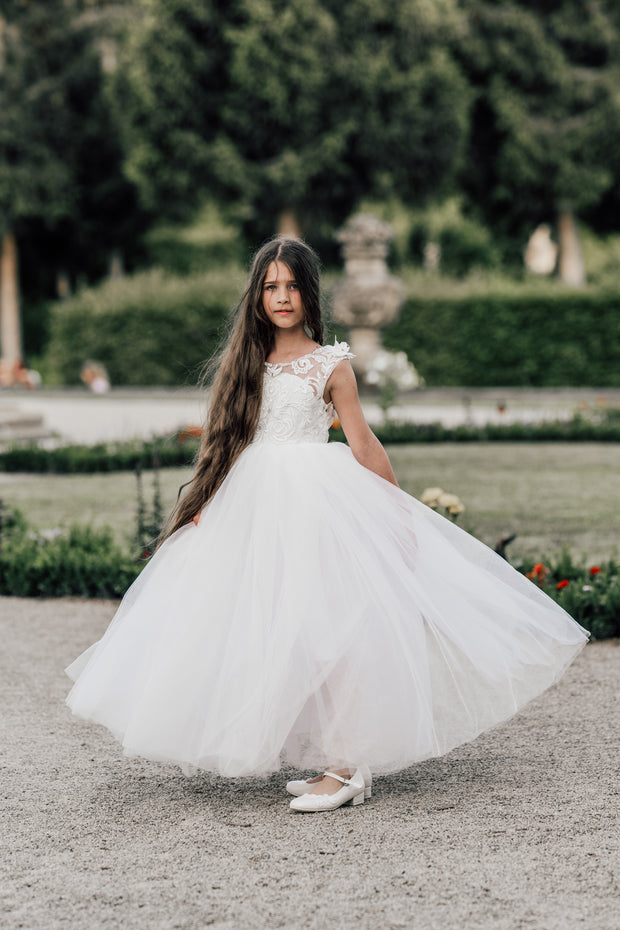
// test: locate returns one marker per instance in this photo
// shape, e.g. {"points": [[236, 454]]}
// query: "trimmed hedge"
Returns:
{"points": [[555, 340], [103, 457], [126, 456], [150, 329]]}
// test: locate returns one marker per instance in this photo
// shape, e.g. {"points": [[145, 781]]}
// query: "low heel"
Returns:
{"points": [[358, 799], [367, 792]]}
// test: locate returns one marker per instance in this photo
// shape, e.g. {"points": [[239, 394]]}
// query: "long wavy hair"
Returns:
{"points": [[236, 394]]}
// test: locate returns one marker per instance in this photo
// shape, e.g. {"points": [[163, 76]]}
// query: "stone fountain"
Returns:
{"points": [[368, 297]]}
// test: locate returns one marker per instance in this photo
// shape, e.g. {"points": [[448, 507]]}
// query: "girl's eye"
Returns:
{"points": [[270, 287], [293, 286]]}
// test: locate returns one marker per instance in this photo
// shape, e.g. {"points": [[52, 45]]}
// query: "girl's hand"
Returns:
{"points": [[341, 390]]}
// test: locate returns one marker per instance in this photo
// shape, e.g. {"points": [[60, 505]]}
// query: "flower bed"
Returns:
{"points": [[589, 593]]}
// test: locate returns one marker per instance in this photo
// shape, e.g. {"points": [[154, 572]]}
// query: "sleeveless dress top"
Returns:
{"points": [[317, 615]]}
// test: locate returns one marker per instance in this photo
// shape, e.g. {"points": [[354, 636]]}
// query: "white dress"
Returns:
{"points": [[316, 615]]}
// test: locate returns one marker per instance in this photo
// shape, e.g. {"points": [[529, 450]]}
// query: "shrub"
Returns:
{"points": [[148, 329], [589, 593], [103, 457], [82, 562], [549, 340]]}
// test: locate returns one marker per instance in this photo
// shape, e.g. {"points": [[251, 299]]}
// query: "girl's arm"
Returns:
{"points": [[342, 391]]}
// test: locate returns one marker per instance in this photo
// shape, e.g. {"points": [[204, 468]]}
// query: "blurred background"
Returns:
{"points": [[148, 147]]}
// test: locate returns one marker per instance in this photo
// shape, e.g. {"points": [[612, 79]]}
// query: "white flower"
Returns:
{"points": [[393, 368], [431, 496]]}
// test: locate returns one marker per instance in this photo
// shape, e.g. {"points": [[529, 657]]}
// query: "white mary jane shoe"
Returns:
{"points": [[300, 787], [352, 792]]}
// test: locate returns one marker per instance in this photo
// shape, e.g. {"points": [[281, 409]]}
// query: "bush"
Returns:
{"points": [[549, 340], [80, 563], [103, 457], [179, 452], [150, 329], [590, 594]]}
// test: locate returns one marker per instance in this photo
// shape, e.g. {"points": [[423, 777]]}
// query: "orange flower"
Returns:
{"points": [[538, 574], [336, 424], [595, 570], [562, 584]]}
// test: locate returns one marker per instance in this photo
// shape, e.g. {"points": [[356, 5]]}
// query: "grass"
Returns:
{"points": [[550, 494]]}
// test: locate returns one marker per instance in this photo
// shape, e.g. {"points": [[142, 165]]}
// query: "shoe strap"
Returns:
{"points": [[345, 781]]}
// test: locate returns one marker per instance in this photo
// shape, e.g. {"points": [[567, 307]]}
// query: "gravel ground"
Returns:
{"points": [[515, 830]]}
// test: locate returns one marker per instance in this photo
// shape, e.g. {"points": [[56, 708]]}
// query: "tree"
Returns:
{"points": [[546, 119], [62, 192], [291, 111]]}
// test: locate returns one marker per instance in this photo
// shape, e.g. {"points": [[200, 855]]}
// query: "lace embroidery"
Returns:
{"points": [[293, 409]]}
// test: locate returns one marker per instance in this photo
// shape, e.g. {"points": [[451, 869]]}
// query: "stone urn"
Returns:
{"points": [[368, 297]]}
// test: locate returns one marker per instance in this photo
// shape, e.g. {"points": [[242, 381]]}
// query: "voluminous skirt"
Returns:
{"points": [[317, 614]]}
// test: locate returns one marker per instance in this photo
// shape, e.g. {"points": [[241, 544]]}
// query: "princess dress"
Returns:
{"points": [[317, 614]]}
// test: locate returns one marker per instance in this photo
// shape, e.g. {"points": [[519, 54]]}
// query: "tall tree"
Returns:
{"points": [[292, 110], [546, 120], [62, 192]]}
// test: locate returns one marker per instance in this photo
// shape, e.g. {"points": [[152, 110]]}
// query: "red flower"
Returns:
{"points": [[538, 574], [595, 570], [562, 584]]}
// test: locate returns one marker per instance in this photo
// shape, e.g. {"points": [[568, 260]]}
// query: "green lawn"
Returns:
{"points": [[550, 494]]}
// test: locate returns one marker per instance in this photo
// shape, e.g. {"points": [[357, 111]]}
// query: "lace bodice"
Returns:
{"points": [[293, 409]]}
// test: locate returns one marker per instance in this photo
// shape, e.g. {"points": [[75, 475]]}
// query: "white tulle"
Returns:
{"points": [[317, 614]]}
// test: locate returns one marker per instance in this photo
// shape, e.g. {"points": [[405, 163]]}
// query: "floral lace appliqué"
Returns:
{"points": [[293, 409]]}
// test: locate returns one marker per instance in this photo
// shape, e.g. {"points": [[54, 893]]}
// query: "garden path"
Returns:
{"points": [[515, 831]]}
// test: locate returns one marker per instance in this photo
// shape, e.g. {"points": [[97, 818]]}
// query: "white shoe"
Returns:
{"points": [[352, 792], [298, 788]]}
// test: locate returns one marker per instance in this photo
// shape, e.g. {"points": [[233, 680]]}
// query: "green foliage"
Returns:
{"points": [[103, 457], [545, 128], [209, 242], [549, 340], [178, 452], [317, 104], [62, 189], [148, 329], [81, 562], [589, 593], [577, 429]]}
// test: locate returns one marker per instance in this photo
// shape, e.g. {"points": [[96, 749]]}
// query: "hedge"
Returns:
{"points": [[175, 452], [566, 339], [82, 562], [157, 329], [150, 329]]}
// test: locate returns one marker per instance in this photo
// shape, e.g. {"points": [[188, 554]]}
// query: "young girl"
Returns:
{"points": [[302, 608]]}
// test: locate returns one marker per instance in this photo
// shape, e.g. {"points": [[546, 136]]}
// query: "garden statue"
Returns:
{"points": [[541, 252], [368, 298]]}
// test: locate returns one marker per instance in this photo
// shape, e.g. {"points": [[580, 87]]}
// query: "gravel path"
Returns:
{"points": [[516, 830]]}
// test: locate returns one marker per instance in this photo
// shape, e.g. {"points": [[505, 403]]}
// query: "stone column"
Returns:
{"points": [[10, 334]]}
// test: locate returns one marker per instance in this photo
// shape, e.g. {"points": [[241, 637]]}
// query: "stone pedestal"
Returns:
{"points": [[368, 297]]}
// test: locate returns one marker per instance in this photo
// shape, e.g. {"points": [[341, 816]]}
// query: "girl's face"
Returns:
{"points": [[281, 298]]}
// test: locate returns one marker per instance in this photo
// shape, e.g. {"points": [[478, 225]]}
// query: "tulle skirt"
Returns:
{"points": [[318, 615]]}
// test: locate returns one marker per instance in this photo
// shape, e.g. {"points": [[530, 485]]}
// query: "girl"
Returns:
{"points": [[302, 608]]}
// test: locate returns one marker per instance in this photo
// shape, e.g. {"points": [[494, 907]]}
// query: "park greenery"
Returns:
{"points": [[166, 137]]}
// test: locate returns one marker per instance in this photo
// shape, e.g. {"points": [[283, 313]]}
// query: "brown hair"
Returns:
{"points": [[237, 386]]}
